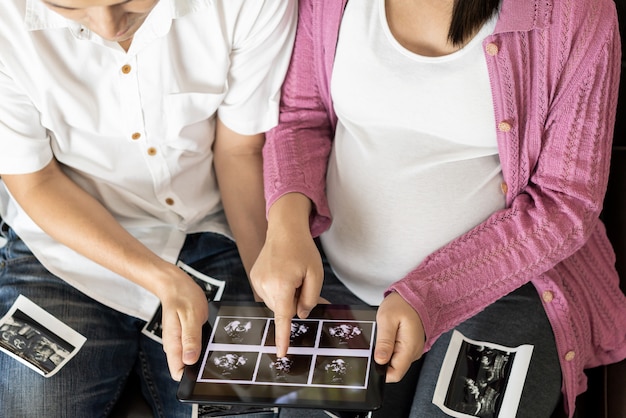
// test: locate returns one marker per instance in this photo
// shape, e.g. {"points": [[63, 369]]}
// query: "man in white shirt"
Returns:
{"points": [[118, 120]]}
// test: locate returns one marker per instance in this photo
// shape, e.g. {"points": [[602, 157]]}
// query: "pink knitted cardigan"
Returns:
{"points": [[554, 69]]}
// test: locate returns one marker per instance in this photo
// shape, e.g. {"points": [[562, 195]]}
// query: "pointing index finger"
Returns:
{"points": [[282, 325]]}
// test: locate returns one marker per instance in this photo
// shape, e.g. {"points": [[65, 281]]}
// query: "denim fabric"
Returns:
{"points": [[90, 383], [217, 256], [516, 319]]}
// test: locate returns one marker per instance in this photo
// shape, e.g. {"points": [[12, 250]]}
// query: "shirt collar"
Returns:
{"points": [[40, 17], [523, 15]]}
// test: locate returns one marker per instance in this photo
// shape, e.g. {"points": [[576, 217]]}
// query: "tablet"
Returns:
{"points": [[329, 364]]}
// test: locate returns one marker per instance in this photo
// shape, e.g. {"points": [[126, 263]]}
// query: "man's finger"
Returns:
{"points": [[173, 349], [191, 340]]}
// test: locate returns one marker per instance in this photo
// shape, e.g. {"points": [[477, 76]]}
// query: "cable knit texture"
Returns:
{"points": [[554, 68]]}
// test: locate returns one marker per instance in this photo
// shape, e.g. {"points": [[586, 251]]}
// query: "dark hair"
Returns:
{"points": [[468, 16]]}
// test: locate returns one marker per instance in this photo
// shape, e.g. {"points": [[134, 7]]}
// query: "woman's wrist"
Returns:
{"points": [[290, 212]]}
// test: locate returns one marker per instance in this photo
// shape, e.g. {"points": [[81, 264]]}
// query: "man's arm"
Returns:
{"points": [[73, 217], [239, 169]]}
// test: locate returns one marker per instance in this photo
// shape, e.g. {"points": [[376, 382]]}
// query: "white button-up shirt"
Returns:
{"points": [[135, 129]]}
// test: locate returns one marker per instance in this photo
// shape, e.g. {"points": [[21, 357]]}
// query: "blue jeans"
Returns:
{"points": [[91, 382], [515, 319]]}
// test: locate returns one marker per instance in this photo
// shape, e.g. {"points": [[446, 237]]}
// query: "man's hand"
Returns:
{"points": [[185, 310], [73, 217], [400, 336]]}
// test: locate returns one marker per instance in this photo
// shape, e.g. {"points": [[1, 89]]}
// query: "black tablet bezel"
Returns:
{"points": [[296, 396]]}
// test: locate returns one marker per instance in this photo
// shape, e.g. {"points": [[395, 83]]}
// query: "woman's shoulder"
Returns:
{"points": [[581, 12], [527, 15]]}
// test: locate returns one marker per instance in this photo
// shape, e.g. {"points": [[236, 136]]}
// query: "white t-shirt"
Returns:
{"points": [[415, 161], [135, 129]]}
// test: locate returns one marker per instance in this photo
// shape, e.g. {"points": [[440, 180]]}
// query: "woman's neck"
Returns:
{"points": [[422, 26]]}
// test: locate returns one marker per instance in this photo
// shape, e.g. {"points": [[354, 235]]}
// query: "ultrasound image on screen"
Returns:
{"points": [[230, 365], [292, 368], [328, 364], [346, 334], [321, 352], [303, 333], [344, 371], [232, 330]]}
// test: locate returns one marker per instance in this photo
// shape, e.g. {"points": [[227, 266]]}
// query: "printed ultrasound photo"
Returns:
{"points": [[346, 334], [230, 365], [210, 290], [33, 342], [303, 333], [232, 330], [480, 378], [340, 370], [154, 327], [293, 368]]}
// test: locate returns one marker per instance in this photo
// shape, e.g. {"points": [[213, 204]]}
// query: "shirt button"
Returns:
{"points": [[126, 68], [504, 126], [136, 136], [504, 187], [169, 201], [570, 355], [547, 296], [152, 151], [492, 49]]}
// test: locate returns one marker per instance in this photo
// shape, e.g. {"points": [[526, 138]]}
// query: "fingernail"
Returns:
{"points": [[189, 356]]}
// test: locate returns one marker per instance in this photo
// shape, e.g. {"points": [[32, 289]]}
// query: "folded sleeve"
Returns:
{"points": [[24, 141]]}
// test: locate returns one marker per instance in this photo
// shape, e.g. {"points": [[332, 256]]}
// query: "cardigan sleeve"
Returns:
{"points": [[296, 151], [557, 90]]}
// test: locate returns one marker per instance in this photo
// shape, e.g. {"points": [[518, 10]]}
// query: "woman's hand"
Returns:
{"points": [[288, 273], [400, 337], [288, 276]]}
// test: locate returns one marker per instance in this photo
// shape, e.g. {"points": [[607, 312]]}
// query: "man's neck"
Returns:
{"points": [[126, 44]]}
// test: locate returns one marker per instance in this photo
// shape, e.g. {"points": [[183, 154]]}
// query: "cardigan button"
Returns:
{"points": [[504, 187], [492, 49], [504, 126], [547, 296], [570, 355]]}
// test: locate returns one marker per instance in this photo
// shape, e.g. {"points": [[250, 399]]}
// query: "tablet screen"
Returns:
{"points": [[328, 365]]}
